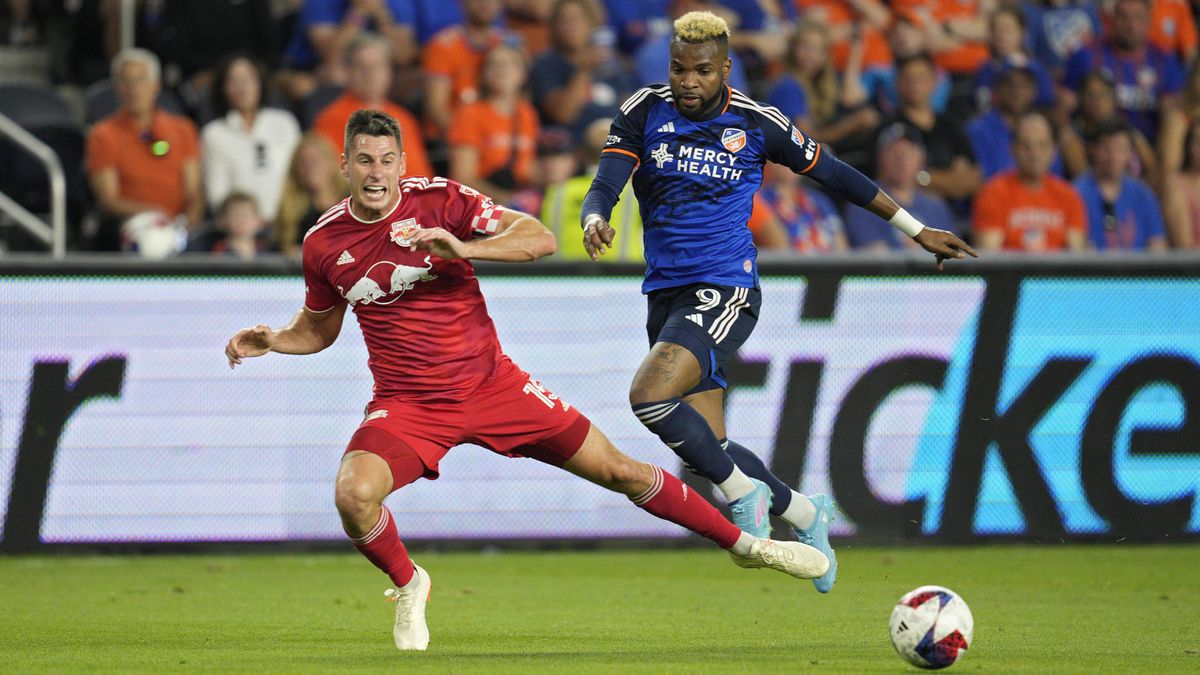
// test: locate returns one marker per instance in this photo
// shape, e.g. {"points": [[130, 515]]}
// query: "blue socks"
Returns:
{"points": [[687, 433], [751, 465]]}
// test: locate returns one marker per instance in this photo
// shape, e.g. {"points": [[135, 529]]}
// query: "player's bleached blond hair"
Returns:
{"points": [[700, 27]]}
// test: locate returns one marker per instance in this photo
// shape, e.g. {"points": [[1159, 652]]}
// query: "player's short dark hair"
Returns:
{"points": [[1114, 126], [372, 123]]}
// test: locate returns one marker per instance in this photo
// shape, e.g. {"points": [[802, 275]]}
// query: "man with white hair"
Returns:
{"points": [[142, 159]]}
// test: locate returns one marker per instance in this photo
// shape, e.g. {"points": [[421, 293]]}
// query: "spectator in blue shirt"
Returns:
{"points": [[1007, 44], [1148, 79], [901, 172], [1122, 211], [1059, 28], [991, 132]]}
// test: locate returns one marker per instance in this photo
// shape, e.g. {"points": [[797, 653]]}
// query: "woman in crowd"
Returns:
{"points": [[314, 183], [246, 147], [493, 141], [1181, 200], [1098, 106]]}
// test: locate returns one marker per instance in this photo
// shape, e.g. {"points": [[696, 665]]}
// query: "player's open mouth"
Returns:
{"points": [[374, 190], [689, 99]]}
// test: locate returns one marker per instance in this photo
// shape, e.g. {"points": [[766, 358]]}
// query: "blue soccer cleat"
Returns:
{"points": [[817, 536], [752, 513]]}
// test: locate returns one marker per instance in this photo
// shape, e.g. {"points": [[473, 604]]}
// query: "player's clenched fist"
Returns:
{"points": [[597, 234], [249, 342], [439, 242]]}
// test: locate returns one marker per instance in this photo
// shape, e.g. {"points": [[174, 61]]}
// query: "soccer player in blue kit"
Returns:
{"points": [[698, 148]]}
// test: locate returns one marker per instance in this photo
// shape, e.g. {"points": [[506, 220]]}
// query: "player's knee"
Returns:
{"points": [[356, 501]]}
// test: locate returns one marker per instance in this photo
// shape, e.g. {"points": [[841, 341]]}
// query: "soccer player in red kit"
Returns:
{"points": [[397, 251]]}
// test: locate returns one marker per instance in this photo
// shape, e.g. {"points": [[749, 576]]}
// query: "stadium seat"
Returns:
{"points": [[101, 101], [46, 115], [32, 105]]}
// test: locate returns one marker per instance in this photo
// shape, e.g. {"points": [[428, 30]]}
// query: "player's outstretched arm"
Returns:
{"points": [[308, 333], [519, 238], [942, 244]]}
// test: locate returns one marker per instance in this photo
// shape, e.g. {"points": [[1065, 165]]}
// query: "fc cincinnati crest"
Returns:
{"points": [[402, 231], [733, 139], [796, 137]]}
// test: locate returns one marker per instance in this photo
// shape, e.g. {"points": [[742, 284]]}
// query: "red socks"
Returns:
{"points": [[382, 546], [669, 499]]}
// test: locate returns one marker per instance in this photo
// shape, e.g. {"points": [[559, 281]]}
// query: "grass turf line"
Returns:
{"points": [[1050, 609]]}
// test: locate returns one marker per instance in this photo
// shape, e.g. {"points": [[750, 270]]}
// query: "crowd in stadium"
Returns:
{"points": [[1027, 126]]}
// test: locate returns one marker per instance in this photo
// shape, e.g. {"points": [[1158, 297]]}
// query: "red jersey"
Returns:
{"points": [[427, 329]]}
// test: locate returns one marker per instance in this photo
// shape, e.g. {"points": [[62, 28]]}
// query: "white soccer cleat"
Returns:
{"points": [[791, 557], [410, 631]]}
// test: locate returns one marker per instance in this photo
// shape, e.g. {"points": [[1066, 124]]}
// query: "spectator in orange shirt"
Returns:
{"points": [[842, 19], [141, 158], [493, 141], [452, 60], [368, 66], [1172, 26], [1030, 209]]}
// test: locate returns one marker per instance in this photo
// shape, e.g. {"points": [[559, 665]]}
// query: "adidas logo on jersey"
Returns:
{"points": [[345, 258], [697, 319], [668, 128]]}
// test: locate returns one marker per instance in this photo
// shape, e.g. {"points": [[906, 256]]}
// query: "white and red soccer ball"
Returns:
{"points": [[931, 627]]}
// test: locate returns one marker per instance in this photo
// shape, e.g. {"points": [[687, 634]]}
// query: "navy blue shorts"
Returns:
{"points": [[708, 320]]}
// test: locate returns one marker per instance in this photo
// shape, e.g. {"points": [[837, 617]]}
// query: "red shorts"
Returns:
{"points": [[510, 413]]}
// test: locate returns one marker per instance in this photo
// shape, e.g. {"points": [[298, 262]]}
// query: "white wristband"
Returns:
{"points": [[590, 217], [904, 221]]}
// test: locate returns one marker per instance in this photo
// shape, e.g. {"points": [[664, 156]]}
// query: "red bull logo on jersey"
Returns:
{"points": [[733, 139], [402, 231], [385, 282]]}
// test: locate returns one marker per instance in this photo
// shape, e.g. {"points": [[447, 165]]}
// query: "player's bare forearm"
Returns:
{"points": [[309, 332], [522, 238]]}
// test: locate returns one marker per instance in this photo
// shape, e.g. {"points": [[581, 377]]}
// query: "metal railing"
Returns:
{"points": [[53, 235]]}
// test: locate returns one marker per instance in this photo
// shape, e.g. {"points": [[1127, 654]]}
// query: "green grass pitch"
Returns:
{"points": [[1051, 609]]}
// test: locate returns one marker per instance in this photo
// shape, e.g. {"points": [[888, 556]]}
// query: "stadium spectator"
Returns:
{"points": [[580, 79], [452, 60], [953, 173], [1029, 208], [1122, 211], [653, 58], [493, 141], [247, 147], [701, 279], [243, 230], [1007, 40], [314, 183], [906, 41], [991, 132], [142, 158], [441, 377], [850, 21], [556, 161], [809, 220], [1059, 28], [901, 171], [20, 24], [1147, 78], [1172, 26], [1182, 196], [1176, 124], [530, 21], [369, 77], [813, 96], [956, 36], [563, 203], [635, 22], [325, 28], [1097, 106]]}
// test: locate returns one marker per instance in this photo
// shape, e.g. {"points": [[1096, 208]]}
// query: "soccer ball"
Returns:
{"points": [[931, 627]]}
